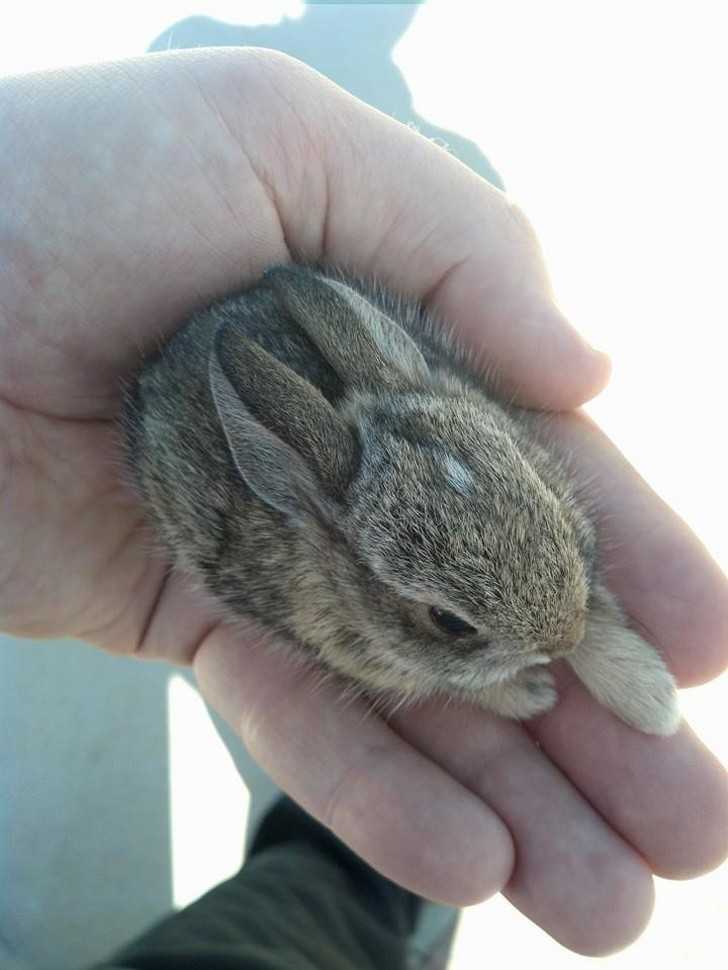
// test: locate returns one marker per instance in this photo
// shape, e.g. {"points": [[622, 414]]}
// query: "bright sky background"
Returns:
{"points": [[607, 121]]}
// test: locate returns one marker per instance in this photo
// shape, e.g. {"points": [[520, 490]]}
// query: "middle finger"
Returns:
{"points": [[574, 876]]}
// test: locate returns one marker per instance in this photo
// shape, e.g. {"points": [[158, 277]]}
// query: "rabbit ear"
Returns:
{"points": [[289, 445], [358, 339]]}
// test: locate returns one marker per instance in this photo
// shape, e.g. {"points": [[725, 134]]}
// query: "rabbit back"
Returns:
{"points": [[202, 510]]}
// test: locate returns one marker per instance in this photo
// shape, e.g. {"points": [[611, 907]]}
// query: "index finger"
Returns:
{"points": [[397, 809]]}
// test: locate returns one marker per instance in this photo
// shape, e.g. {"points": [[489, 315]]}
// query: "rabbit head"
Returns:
{"points": [[434, 557]]}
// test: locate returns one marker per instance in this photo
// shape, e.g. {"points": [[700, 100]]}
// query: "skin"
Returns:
{"points": [[134, 192]]}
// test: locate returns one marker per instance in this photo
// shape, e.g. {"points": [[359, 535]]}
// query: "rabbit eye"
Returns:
{"points": [[450, 623]]}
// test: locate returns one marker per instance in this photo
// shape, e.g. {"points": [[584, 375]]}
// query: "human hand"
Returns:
{"points": [[137, 191]]}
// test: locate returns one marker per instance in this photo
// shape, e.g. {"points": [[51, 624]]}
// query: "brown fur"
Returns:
{"points": [[326, 459]]}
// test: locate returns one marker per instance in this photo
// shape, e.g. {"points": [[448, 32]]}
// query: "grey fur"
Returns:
{"points": [[324, 458]]}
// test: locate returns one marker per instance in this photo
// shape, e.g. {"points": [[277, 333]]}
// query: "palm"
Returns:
{"points": [[436, 798], [104, 586]]}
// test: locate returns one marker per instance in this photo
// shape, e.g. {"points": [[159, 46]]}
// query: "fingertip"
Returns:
{"points": [[454, 850], [701, 817], [483, 865], [706, 659], [558, 369], [616, 915], [599, 367]]}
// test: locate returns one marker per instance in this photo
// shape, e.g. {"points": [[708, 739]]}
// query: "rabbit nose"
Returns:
{"points": [[571, 636]]}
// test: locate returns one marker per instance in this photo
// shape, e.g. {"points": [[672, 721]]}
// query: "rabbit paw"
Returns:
{"points": [[627, 675], [653, 708], [529, 693]]}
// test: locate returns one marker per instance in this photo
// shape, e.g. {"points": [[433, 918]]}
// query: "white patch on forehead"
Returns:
{"points": [[458, 475]]}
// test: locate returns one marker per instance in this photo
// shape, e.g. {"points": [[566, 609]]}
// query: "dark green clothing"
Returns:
{"points": [[302, 901]]}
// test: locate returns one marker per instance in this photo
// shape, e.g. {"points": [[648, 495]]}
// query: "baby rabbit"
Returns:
{"points": [[325, 459]]}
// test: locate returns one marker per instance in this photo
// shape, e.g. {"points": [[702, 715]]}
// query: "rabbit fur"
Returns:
{"points": [[326, 459]]}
